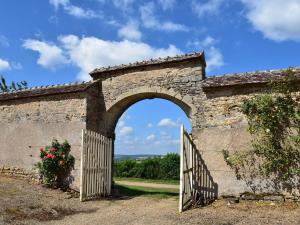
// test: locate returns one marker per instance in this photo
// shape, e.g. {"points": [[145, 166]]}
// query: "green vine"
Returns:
{"points": [[274, 124]]}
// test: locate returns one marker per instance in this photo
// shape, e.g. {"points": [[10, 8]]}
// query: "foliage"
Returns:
{"points": [[274, 123], [13, 87], [56, 165], [166, 167]]}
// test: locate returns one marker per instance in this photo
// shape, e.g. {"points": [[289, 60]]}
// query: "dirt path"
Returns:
{"points": [[22, 203], [149, 185]]}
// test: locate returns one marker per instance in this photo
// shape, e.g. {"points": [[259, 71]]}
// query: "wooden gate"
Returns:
{"points": [[196, 184], [96, 166]]}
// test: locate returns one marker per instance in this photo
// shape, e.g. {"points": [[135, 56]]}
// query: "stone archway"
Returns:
{"points": [[125, 100], [177, 79]]}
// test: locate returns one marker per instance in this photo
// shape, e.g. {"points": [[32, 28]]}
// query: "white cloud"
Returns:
{"points": [[278, 20], [121, 123], [81, 13], [150, 137], [16, 65], [208, 41], [167, 4], [130, 31], [3, 41], [201, 44], [214, 59], [150, 20], [89, 53], [149, 125], [126, 131], [122, 4], [75, 10], [58, 3], [50, 57], [4, 65], [209, 7], [167, 122]]}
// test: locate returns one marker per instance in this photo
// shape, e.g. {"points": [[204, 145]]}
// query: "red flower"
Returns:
{"points": [[53, 150], [41, 149]]}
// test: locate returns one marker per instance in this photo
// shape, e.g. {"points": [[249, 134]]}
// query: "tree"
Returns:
{"points": [[13, 87], [274, 123]]}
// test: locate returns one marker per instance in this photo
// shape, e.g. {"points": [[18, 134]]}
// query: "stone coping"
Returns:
{"points": [[227, 80], [45, 90], [142, 64], [258, 77]]}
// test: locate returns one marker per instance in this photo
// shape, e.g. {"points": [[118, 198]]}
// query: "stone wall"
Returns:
{"points": [[30, 119], [30, 123], [225, 128]]}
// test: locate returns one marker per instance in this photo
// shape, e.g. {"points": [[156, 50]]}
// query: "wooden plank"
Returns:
{"points": [[181, 170], [104, 166], [110, 160], [96, 165], [81, 166]]}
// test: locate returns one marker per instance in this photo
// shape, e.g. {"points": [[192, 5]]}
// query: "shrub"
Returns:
{"points": [[56, 165], [274, 123], [170, 166], [150, 168]]}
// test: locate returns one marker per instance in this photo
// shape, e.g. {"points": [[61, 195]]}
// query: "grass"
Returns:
{"points": [[132, 179], [146, 191]]}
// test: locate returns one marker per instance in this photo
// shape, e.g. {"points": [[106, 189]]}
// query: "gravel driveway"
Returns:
{"points": [[25, 203]]}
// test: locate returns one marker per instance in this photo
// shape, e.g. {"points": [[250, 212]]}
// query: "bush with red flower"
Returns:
{"points": [[56, 165]]}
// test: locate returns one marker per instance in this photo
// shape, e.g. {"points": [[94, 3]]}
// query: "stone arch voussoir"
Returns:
{"points": [[122, 102]]}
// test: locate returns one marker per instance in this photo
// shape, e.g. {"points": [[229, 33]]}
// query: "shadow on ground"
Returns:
{"points": [[129, 192]]}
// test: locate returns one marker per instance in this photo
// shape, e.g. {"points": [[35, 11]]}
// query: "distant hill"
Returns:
{"points": [[135, 157]]}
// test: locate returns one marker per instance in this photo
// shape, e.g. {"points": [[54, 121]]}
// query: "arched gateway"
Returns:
{"points": [[30, 118]]}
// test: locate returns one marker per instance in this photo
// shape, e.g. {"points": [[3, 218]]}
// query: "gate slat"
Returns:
{"points": [[96, 165], [196, 183]]}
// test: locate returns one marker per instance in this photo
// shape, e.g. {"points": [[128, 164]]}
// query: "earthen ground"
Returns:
{"points": [[22, 202]]}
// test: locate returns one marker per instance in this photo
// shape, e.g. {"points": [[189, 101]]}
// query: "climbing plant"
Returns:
{"points": [[4, 87], [274, 124]]}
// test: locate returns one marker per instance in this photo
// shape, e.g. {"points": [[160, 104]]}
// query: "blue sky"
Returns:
{"points": [[58, 41]]}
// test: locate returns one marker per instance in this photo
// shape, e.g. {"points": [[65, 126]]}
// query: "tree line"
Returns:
{"points": [[167, 167]]}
